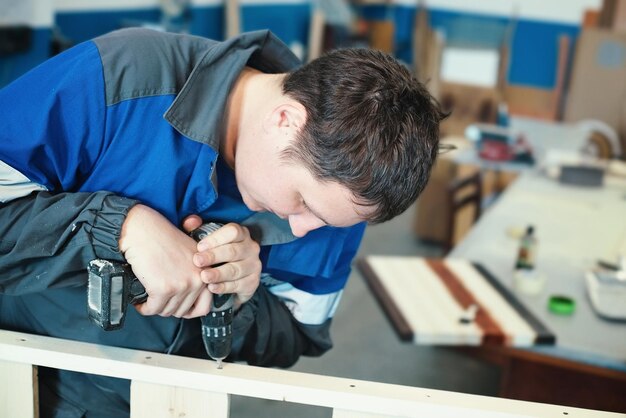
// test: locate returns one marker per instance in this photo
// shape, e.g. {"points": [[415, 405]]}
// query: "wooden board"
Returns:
{"points": [[316, 34], [597, 89], [361, 398], [426, 300], [232, 18], [18, 394], [468, 104], [149, 400], [382, 33]]}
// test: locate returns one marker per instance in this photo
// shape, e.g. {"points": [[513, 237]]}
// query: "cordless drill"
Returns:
{"points": [[112, 286]]}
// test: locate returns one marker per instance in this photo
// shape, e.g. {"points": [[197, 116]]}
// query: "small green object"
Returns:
{"points": [[561, 305]]}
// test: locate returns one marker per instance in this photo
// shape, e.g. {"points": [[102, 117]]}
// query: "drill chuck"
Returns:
{"points": [[217, 331]]}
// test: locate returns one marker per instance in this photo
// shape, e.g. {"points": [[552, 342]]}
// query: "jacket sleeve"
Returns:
{"points": [[267, 334], [291, 312], [46, 238]]}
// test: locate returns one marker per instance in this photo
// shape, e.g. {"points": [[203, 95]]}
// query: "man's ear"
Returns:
{"points": [[287, 118]]}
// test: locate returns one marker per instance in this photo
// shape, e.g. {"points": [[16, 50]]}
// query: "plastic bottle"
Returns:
{"points": [[526, 278], [527, 250]]}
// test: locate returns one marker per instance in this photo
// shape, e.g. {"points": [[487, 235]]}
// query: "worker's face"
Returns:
{"points": [[292, 193], [268, 183]]}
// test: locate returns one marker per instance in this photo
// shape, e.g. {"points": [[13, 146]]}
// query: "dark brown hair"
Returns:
{"points": [[371, 127]]}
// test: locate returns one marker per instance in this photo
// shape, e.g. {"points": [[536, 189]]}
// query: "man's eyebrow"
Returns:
{"points": [[317, 215]]}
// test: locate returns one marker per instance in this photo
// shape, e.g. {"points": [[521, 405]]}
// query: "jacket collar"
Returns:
{"points": [[198, 110]]}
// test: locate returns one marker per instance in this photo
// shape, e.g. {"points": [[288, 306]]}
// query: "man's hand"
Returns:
{"points": [[161, 257], [231, 245]]}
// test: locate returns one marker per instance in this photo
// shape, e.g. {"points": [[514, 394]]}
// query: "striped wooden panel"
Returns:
{"points": [[428, 302]]}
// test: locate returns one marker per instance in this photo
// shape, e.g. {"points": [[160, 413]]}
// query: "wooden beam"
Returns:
{"points": [[316, 34], [18, 390], [340, 413], [561, 69], [150, 400], [232, 18], [273, 384]]}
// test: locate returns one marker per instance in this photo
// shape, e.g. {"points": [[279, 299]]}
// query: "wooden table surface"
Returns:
{"points": [[575, 227]]}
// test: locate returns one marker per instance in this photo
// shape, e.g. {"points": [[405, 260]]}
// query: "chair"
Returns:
{"points": [[463, 194]]}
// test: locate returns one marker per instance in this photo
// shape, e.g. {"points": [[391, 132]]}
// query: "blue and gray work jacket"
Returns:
{"points": [[137, 116]]}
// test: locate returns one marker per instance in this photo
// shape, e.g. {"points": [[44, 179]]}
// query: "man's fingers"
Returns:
{"points": [[191, 222], [201, 307], [230, 272], [219, 289], [178, 305], [151, 306], [227, 253], [229, 233], [244, 287], [183, 308], [170, 307]]}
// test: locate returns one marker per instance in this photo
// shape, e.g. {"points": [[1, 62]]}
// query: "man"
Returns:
{"points": [[107, 148]]}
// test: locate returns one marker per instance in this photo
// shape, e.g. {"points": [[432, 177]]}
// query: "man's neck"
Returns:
{"points": [[251, 90]]}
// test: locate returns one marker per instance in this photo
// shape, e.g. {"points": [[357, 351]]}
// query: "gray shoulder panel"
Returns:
{"points": [[195, 107], [144, 62]]}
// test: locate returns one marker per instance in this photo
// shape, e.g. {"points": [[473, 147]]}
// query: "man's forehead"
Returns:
{"points": [[339, 207]]}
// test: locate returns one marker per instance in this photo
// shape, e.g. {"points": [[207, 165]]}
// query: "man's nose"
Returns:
{"points": [[303, 223]]}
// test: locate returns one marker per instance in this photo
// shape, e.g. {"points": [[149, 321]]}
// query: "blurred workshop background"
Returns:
{"points": [[528, 83]]}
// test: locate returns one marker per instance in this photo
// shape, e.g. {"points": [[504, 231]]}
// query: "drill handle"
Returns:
{"points": [[112, 286]]}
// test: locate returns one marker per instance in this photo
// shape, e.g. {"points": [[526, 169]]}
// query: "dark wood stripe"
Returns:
{"points": [[543, 335], [397, 319], [492, 333]]}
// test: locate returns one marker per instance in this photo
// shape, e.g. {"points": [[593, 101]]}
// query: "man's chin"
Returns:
{"points": [[252, 205], [257, 208]]}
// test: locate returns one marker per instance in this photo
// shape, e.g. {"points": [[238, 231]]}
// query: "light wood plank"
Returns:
{"points": [[429, 308], [400, 285], [232, 18], [316, 34], [341, 413], [272, 384], [18, 390], [150, 400], [447, 308], [518, 332]]}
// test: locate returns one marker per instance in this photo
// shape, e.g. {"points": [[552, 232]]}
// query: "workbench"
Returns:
{"points": [[575, 227]]}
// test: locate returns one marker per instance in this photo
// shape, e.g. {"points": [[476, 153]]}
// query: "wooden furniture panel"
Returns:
{"points": [[184, 377], [428, 301], [534, 377]]}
